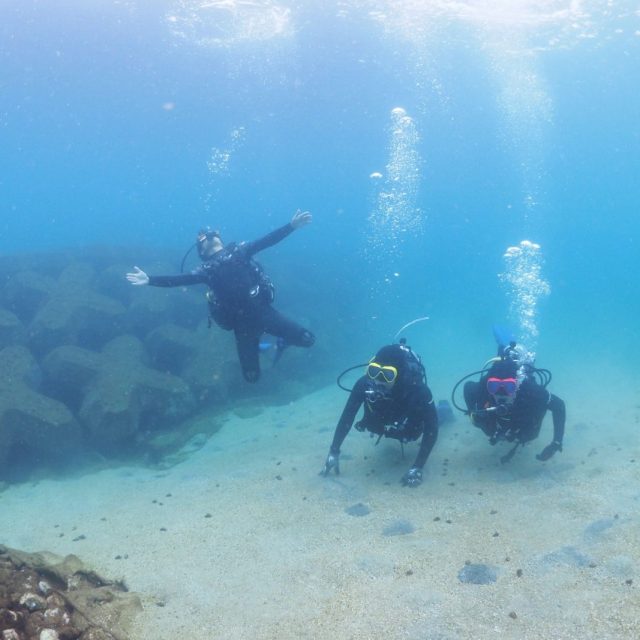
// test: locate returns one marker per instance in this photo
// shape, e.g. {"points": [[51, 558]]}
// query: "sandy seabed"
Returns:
{"points": [[246, 540]]}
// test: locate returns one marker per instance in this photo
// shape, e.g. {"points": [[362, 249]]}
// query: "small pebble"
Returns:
{"points": [[448, 521], [436, 519], [118, 558], [592, 565], [163, 529], [278, 477], [519, 573], [513, 615], [629, 581], [160, 603], [408, 572], [495, 534]]}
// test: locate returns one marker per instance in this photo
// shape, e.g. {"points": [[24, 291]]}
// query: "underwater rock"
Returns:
{"points": [[28, 419], [596, 529], [116, 393], [11, 329], [152, 307], [358, 510], [568, 555], [171, 347], [445, 413], [398, 528], [75, 314], [477, 574], [25, 292], [82, 603]]}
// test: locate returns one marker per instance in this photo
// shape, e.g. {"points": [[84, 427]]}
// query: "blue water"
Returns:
{"points": [[527, 117]]}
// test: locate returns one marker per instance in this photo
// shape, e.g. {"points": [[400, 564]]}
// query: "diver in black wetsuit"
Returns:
{"points": [[397, 404], [510, 401], [240, 293]]}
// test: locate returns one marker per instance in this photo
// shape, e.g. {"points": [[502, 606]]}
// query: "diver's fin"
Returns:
{"points": [[503, 336], [445, 413]]}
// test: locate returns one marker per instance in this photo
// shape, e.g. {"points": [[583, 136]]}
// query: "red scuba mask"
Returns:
{"points": [[502, 386]]}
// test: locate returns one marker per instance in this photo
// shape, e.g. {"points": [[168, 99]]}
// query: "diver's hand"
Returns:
{"points": [[412, 478], [332, 462], [137, 277], [549, 451], [301, 219]]}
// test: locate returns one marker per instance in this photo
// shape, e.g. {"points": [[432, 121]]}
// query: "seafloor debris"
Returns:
{"points": [[43, 597]]}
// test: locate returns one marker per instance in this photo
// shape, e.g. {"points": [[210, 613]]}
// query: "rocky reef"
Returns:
{"points": [[90, 363], [43, 597]]}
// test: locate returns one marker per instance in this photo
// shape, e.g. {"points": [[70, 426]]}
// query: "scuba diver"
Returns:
{"points": [[397, 404], [240, 293], [511, 399]]}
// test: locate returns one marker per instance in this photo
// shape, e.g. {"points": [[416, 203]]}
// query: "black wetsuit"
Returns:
{"points": [[240, 297], [405, 416], [524, 418]]}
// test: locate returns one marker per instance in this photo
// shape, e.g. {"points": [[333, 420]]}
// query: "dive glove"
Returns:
{"points": [[549, 450], [332, 462], [412, 478]]}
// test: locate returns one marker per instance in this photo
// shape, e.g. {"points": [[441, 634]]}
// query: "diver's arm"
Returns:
{"points": [[269, 240], [429, 434], [559, 413], [180, 280], [138, 277], [300, 219], [356, 398]]}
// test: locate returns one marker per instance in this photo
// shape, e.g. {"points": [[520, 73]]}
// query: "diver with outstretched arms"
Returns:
{"points": [[240, 294]]}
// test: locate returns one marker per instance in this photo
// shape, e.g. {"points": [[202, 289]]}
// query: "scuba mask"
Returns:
{"points": [[380, 380], [502, 386], [383, 373], [207, 234], [503, 391], [204, 235]]}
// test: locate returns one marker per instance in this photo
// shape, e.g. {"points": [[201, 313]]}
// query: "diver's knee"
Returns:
{"points": [[307, 339]]}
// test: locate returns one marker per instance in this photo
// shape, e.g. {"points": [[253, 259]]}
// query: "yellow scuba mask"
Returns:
{"points": [[386, 373]]}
